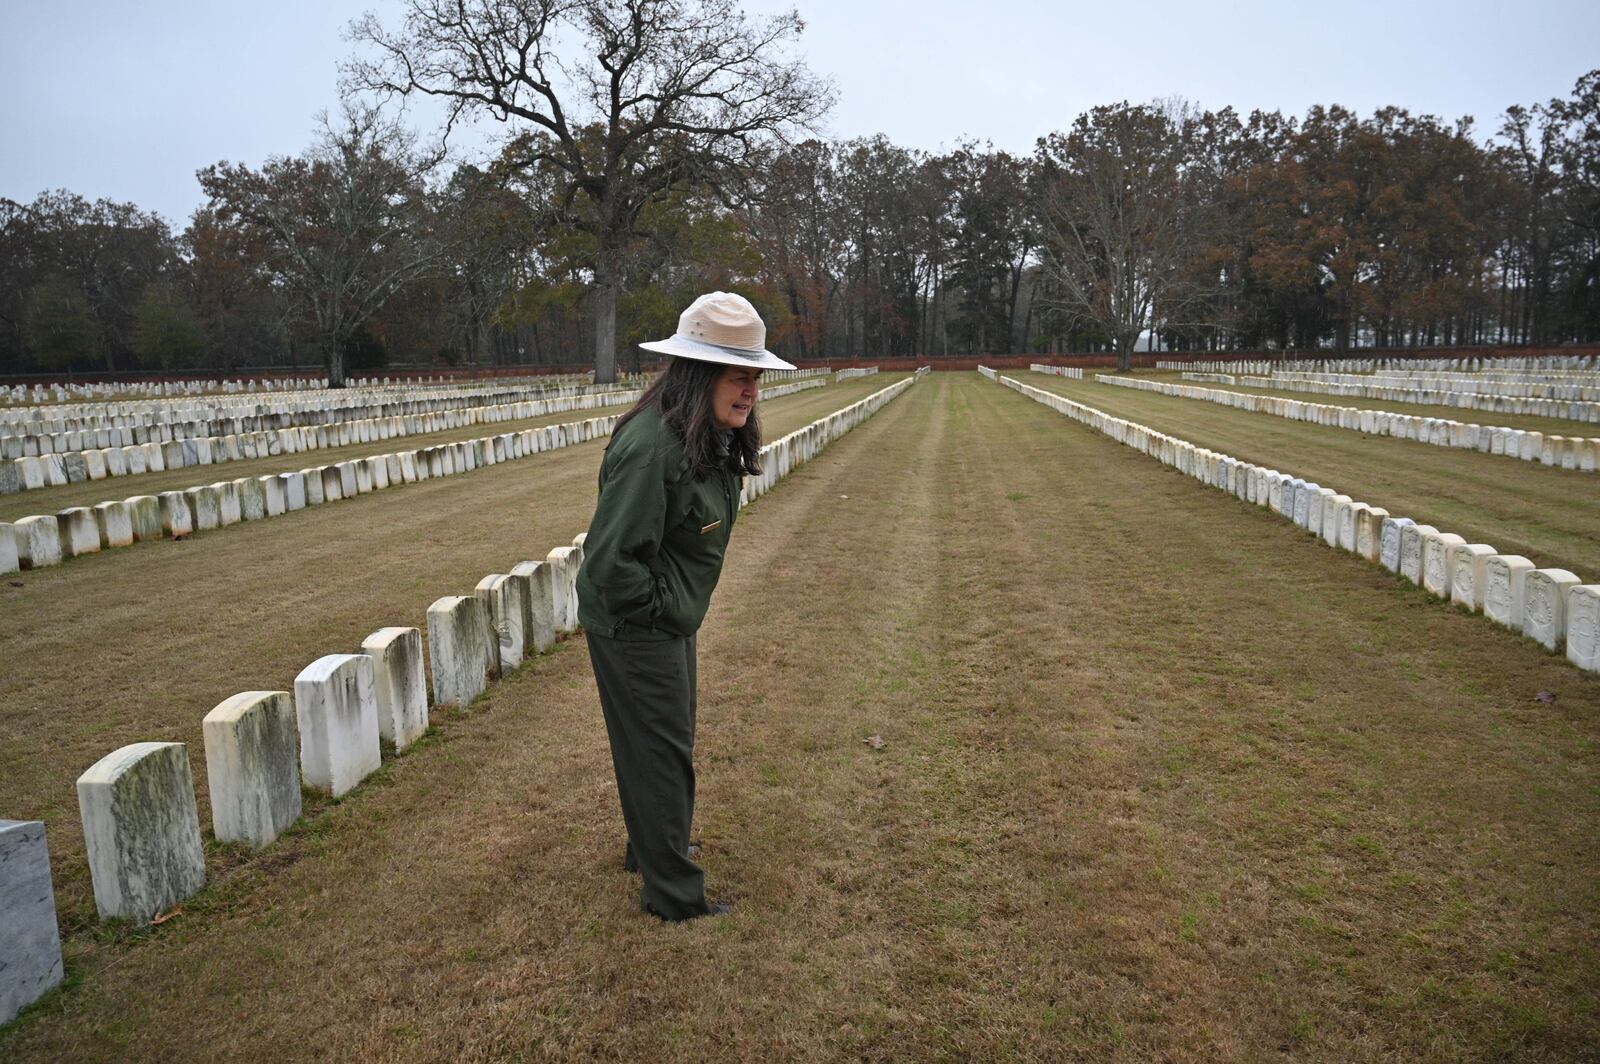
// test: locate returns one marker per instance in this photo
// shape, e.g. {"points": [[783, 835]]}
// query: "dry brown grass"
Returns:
{"points": [[1163, 779]]}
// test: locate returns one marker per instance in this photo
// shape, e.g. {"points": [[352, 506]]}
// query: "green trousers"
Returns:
{"points": [[647, 692]]}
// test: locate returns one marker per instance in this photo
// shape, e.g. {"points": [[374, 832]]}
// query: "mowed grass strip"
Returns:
{"points": [[139, 644], [1552, 516], [1531, 422], [1160, 779]]}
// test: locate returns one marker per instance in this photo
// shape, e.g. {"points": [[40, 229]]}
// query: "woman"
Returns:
{"points": [[669, 493]]}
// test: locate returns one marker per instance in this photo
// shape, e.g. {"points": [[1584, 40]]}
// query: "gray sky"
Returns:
{"points": [[127, 100]]}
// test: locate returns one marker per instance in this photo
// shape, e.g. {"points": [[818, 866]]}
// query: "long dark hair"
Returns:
{"points": [[682, 395]]}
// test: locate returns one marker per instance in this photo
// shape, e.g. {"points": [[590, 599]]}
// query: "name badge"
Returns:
{"points": [[712, 527]]}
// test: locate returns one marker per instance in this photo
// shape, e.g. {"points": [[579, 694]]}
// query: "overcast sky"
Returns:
{"points": [[127, 100]]}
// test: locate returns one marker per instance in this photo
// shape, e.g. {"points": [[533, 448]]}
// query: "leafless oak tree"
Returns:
{"points": [[341, 228], [627, 99], [1123, 220]]}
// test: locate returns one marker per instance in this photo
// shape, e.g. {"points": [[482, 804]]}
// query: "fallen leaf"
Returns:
{"points": [[17, 583], [874, 741], [844, 496], [169, 914], [1545, 697]]}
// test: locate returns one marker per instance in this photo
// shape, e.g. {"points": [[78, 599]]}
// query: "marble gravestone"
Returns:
{"points": [[113, 524], [141, 830], [177, 519], [1504, 576], [337, 712], [252, 767], [30, 943], [9, 562], [540, 598], [399, 685], [76, 528], [1411, 537], [1468, 572], [1436, 550], [1583, 626], [503, 598], [461, 649], [1544, 606], [38, 539], [144, 516], [1370, 523]]}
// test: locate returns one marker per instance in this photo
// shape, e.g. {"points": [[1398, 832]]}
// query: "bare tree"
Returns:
{"points": [[341, 228], [625, 98], [1123, 221]]}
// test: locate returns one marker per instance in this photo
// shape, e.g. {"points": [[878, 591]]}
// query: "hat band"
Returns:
{"points": [[742, 352]]}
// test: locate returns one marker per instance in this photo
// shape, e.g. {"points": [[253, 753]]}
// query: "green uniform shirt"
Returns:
{"points": [[654, 549]]}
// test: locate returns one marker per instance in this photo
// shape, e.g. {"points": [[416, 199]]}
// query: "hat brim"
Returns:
{"points": [[700, 351]]}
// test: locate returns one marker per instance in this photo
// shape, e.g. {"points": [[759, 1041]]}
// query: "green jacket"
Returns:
{"points": [[654, 549]]}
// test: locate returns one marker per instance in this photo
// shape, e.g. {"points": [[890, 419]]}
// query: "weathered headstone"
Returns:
{"points": [[205, 505], [30, 942], [113, 524], [337, 710], [177, 513], [1330, 518], [141, 830], [1411, 537], [1369, 531], [9, 562], [1583, 626], [563, 578], [144, 516], [294, 491], [75, 525], [252, 767], [1469, 574], [400, 686], [1504, 589], [461, 649], [1544, 605], [1436, 561], [38, 538], [541, 617], [230, 509], [332, 485], [252, 498], [502, 597]]}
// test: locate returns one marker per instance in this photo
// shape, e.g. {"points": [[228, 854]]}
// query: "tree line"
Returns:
{"points": [[656, 149]]}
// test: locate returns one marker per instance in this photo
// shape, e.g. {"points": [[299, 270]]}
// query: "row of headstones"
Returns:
{"points": [[1563, 452], [141, 821], [782, 455], [1573, 363], [1523, 386], [1551, 606], [141, 824], [1572, 410], [861, 371], [202, 448], [314, 393], [43, 540], [75, 428], [44, 393], [1060, 371]]}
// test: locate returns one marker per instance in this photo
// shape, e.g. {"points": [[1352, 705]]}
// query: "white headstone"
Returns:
{"points": [[541, 619], [30, 943], [252, 767], [1503, 588], [177, 513], [1411, 537], [9, 562], [1330, 518], [563, 577], [400, 686], [337, 711], [503, 598], [38, 541], [144, 516], [1436, 561], [1469, 574], [461, 649], [77, 530], [205, 505], [1369, 531], [1544, 605], [141, 830], [113, 524], [1583, 626]]}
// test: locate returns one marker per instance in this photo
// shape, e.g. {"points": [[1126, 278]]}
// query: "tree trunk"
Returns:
{"points": [[1125, 352], [335, 362], [605, 327]]}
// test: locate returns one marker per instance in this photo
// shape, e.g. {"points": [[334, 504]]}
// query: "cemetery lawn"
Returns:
{"points": [[1161, 777], [140, 643], [1551, 516], [1530, 422]]}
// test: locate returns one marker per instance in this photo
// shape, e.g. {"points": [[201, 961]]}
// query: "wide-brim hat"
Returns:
{"points": [[720, 327]]}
